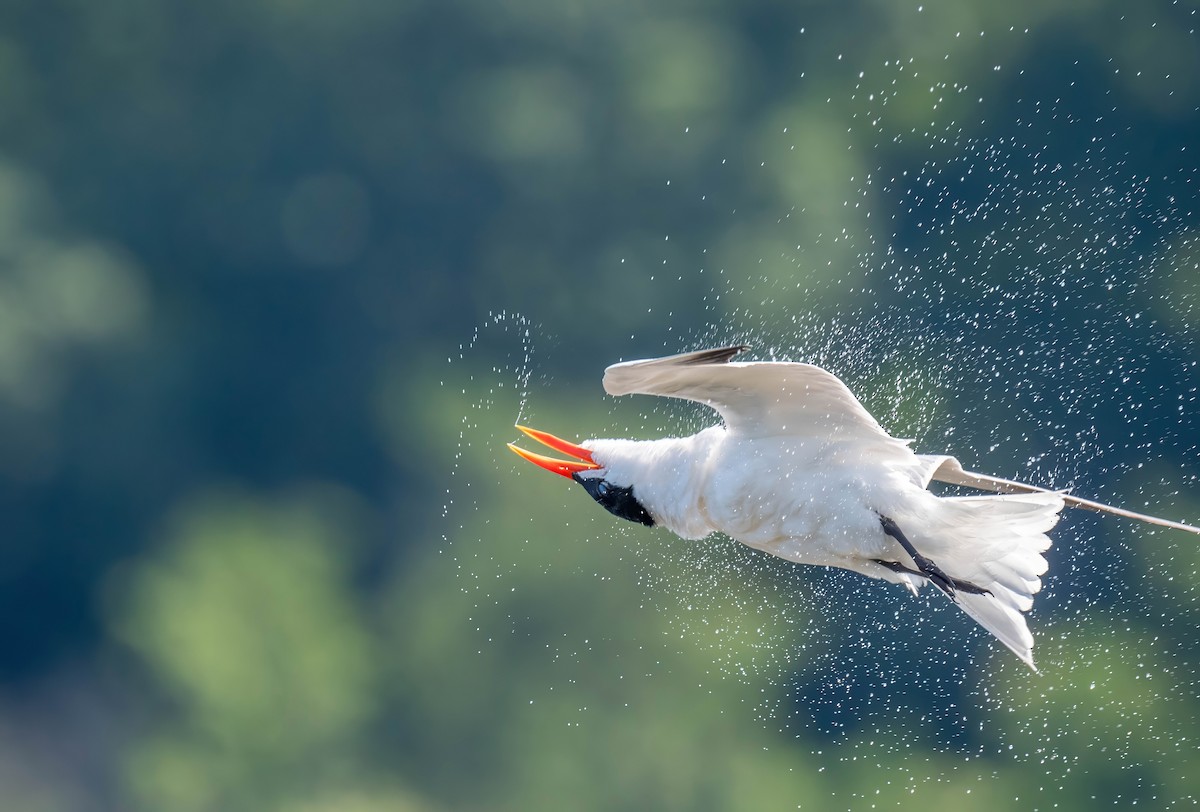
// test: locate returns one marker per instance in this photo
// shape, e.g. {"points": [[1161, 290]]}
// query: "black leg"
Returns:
{"points": [[924, 566], [896, 566]]}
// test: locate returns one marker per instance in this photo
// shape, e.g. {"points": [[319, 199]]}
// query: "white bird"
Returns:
{"points": [[802, 471]]}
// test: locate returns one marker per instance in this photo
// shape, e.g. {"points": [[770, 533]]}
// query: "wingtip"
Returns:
{"points": [[721, 355], [1027, 658], [627, 377]]}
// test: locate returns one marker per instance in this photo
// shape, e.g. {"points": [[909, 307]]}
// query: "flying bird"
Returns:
{"points": [[799, 469]]}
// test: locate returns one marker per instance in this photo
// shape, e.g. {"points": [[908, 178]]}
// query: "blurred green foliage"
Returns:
{"points": [[248, 618], [277, 277]]}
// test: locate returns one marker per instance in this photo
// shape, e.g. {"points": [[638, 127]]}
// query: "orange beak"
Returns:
{"points": [[567, 468]]}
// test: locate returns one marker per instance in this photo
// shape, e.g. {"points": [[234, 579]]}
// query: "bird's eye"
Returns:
{"points": [[602, 488]]}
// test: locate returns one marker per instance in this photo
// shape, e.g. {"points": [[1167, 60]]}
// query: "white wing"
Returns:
{"points": [[950, 471], [771, 398], [754, 399]]}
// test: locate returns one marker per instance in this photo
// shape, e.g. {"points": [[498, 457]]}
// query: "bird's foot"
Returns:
{"points": [[932, 572], [925, 567], [944, 582]]}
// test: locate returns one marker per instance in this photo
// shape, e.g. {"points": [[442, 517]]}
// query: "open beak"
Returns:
{"points": [[567, 468]]}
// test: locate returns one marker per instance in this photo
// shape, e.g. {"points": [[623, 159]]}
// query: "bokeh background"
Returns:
{"points": [[278, 276]]}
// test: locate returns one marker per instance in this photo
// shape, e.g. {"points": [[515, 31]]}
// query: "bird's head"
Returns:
{"points": [[614, 496]]}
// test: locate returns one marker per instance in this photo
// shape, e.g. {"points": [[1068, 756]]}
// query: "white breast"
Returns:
{"points": [[806, 500]]}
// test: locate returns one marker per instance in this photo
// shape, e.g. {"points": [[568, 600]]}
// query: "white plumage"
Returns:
{"points": [[802, 471]]}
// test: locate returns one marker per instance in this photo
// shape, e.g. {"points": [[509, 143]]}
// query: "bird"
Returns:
{"points": [[799, 469]]}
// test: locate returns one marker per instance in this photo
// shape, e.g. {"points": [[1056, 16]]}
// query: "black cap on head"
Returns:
{"points": [[616, 500]]}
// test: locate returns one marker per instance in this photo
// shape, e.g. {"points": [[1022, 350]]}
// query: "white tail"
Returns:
{"points": [[1017, 533], [995, 542]]}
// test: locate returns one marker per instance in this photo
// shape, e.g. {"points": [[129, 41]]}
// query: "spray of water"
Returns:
{"points": [[1027, 311]]}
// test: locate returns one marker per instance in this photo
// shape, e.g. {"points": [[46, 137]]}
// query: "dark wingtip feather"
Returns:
{"points": [[718, 356]]}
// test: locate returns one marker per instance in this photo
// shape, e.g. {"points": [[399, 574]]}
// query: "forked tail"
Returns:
{"points": [[996, 543], [1003, 539]]}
